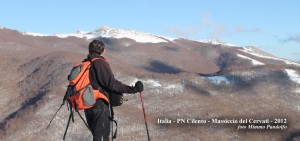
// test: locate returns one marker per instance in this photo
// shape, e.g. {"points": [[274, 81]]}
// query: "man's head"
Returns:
{"points": [[96, 46]]}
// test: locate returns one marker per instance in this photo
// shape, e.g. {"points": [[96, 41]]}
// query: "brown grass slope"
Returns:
{"points": [[33, 81]]}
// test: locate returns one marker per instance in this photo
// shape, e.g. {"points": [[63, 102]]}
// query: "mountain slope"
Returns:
{"points": [[183, 79]]}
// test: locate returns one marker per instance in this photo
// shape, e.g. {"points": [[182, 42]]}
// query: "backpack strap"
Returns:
{"points": [[111, 118], [94, 59]]}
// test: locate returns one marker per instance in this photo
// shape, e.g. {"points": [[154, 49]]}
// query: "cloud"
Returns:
{"points": [[206, 23], [217, 30], [187, 32], [291, 38], [213, 29], [220, 30]]}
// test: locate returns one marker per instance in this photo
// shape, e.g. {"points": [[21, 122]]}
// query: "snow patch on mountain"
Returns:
{"points": [[122, 33], [153, 83], [177, 87], [173, 86], [218, 79], [108, 32], [215, 42], [156, 84], [2, 27], [255, 52], [294, 76], [168, 38], [254, 62], [141, 37], [79, 34], [35, 34]]}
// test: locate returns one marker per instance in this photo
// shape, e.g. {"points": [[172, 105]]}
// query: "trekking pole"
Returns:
{"points": [[55, 114], [145, 119]]}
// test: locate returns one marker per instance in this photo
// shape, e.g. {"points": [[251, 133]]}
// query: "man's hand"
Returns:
{"points": [[138, 87]]}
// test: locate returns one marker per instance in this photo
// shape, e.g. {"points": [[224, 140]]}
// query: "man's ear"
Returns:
{"points": [[103, 52]]}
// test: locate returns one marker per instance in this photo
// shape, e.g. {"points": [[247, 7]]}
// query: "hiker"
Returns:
{"points": [[101, 76]]}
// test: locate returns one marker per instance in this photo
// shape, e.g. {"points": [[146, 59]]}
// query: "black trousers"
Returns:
{"points": [[98, 120]]}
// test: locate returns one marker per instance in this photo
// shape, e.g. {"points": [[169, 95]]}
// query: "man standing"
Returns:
{"points": [[101, 76]]}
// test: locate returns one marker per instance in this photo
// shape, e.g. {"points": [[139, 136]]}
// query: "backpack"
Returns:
{"points": [[80, 94]]}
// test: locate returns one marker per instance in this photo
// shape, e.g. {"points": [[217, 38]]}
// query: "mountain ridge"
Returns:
{"points": [[105, 31], [143, 37]]}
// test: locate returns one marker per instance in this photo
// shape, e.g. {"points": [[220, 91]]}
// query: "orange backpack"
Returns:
{"points": [[80, 92], [80, 95]]}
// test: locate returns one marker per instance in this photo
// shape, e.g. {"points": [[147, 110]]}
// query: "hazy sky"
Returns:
{"points": [[273, 26]]}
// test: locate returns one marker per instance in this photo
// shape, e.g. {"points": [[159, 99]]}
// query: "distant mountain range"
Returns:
{"points": [[108, 32], [203, 79]]}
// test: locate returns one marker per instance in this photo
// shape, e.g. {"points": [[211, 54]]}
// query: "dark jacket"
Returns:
{"points": [[101, 75]]}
